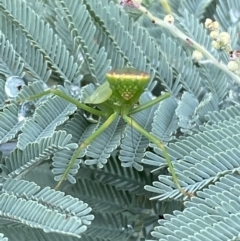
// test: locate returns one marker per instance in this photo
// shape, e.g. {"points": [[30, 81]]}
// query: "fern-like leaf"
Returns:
{"points": [[195, 7], [52, 47], [46, 209], [52, 113], [196, 167], [213, 215], [134, 144], [34, 153], [99, 150], [9, 125], [185, 112], [10, 63], [165, 120], [80, 129], [33, 60], [104, 223]]}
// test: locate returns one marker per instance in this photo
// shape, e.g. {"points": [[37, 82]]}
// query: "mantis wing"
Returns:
{"points": [[100, 95]]}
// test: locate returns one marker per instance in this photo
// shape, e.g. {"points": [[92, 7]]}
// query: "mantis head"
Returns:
{"points": [[127, 84], [123, 86]]}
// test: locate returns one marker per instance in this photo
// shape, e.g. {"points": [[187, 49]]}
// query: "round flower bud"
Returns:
{"points": [[216, 44], [130, 3], [214, 34], [215, 25], [233, 66], [197, 55], [13, 85], [169, 19], [224, 38], [208, 23]]}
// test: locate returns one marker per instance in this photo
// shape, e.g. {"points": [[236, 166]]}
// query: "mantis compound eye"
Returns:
{"points": [[13, 85]]}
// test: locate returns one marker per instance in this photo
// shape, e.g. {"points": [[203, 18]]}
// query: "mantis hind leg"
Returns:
{"points": [[153, 139], [85, 143]]}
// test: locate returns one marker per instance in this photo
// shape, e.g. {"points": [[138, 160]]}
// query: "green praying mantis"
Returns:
{"points": [[116, 96]]}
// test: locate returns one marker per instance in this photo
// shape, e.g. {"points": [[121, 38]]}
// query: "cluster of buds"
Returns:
{"points": [[197, 56], [169, 19], [221, 40]]}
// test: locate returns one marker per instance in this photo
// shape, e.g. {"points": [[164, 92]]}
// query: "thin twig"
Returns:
{"points": [[177, 33]]}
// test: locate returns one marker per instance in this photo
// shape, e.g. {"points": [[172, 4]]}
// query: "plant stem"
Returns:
{"points": [[177, 33]]}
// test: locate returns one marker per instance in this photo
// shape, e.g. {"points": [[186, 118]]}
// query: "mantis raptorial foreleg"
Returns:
{"points": [[150, 103], [67, 98]]}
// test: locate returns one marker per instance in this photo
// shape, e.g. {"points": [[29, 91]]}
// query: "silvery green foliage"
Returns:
{"points": [[72, 44]]}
